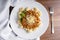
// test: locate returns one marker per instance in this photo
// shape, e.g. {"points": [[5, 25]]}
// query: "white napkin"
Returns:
{"points": [[13, 37], [3, 24], [4, 18], [6, 32], [2, 5]]}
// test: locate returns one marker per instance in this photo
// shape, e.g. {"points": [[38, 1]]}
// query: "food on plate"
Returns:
{"points": [[29, 19]]}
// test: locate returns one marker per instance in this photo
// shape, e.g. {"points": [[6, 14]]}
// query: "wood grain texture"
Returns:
{"points": [[56, 4]]}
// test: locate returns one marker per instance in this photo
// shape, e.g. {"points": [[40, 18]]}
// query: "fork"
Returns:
{"points": [[51, 14]]}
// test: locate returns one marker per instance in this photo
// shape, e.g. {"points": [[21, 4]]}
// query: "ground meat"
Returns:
{"points": [[34, 25]]}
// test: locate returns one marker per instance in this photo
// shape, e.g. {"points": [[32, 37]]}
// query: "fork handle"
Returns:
{"points": [[52, 24]]}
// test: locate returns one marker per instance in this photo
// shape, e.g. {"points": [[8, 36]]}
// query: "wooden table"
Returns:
{"points": [[56, 5]]}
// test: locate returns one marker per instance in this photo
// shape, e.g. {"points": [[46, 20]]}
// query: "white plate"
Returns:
{"points": [[21, 32]]}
